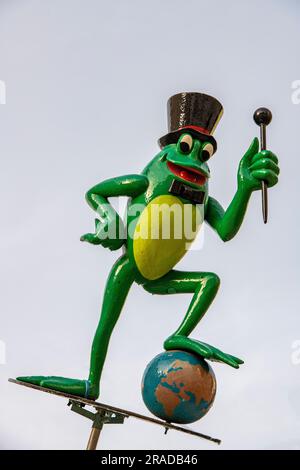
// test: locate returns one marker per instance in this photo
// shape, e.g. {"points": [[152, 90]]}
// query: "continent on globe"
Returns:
{"points": [[178, 387]]}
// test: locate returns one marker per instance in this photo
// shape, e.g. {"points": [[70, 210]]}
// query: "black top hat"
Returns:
{"points": [[196, 112]]}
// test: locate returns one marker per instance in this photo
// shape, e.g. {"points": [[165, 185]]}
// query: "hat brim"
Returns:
{"points": [[172, 137]]}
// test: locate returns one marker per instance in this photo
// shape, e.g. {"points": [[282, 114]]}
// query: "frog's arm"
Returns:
{"points": [[129, 185], [254, 168], [110, 231], [227, 223]]}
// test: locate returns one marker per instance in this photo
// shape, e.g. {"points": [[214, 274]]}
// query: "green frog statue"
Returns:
{"points": [[174, 182]]}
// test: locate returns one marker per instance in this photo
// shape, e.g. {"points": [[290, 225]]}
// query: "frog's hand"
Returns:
{"points": [[92, 237], [256, 167], [106, 234]]}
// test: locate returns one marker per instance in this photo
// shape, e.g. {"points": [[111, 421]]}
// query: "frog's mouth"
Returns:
{"points": [[187, 173]]}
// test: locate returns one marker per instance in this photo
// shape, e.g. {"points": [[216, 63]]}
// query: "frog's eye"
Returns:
{"points": [[207, 152], [185, 143]]}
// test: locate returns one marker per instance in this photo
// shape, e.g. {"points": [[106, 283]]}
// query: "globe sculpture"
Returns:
{"points": [[178, 387]]}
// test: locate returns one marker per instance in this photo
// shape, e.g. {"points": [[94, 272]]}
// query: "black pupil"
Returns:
{"points": [[184, 147], [205, 155]]}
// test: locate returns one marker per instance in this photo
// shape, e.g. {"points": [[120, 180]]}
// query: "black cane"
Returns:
{"points": [[263, 117]]}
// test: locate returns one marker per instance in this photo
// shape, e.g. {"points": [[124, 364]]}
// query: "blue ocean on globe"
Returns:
{"points": [[178, 387]]}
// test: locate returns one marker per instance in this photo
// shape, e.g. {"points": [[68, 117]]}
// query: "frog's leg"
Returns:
{"points": [[118, 284], [204, 286]]}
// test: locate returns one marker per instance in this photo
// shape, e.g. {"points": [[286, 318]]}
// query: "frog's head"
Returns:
{"points": [[187, 159], [189, 143]]}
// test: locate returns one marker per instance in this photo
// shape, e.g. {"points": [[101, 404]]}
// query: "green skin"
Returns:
{"points": [[255, 166]]}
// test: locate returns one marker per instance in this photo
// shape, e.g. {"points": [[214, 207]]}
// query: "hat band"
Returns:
{"points": [[196, 128]]}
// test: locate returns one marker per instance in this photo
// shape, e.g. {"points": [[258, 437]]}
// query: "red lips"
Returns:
{"points": [[187, 174]]}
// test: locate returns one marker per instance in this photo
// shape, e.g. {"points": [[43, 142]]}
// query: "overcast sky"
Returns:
{"points": [[86, 89]]}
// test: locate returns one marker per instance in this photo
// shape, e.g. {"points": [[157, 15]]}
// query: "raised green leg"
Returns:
{"points": [[204, 286], [118, 284]]}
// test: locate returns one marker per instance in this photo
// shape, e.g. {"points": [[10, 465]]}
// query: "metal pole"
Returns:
{"points": [[94, 438], [262, 118], [264, 187]]}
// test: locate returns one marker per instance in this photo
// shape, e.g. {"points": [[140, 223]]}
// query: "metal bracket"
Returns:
{"points": [[99, 418]]}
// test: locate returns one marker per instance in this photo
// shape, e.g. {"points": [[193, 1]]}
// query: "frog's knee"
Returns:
{"points": [[213, 281]]}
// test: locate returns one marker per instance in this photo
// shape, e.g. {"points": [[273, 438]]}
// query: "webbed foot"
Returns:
{"points": [[81, 388], [202, 349]]}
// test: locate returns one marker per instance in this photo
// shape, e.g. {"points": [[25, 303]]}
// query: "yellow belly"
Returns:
{"points": [[163, 233]]}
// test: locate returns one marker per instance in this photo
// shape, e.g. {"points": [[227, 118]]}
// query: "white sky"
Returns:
{"points": [[86, 90]]}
